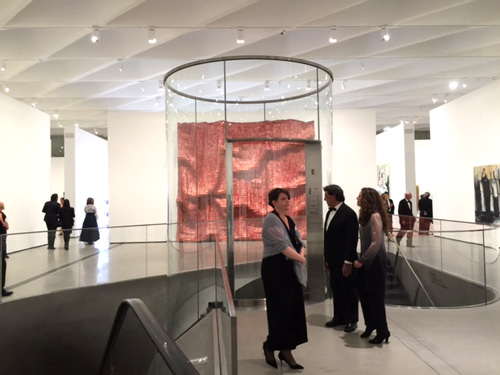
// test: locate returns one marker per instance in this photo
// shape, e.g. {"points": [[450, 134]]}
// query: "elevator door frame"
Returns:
{"points": [[315, 290]]}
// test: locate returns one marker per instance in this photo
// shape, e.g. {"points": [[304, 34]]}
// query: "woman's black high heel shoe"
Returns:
{"points": [[368, 331], [267, 354], [295, 366], [379, 339]]}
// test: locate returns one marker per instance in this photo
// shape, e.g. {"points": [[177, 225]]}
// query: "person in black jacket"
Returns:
{"points": [[67, 215], [51, 210], [4, 226], [425, 208], [341, 239], [406, 219]]}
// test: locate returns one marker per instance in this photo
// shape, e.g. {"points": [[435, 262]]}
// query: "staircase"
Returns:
{"points": [[394, 291]]}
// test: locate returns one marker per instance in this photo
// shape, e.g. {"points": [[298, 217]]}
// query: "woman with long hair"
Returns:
{"points": [[67, 216], [283, 259], [372, 264]]}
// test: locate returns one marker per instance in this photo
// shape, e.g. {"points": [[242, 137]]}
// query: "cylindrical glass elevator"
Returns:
{"points": [[238, 127]]}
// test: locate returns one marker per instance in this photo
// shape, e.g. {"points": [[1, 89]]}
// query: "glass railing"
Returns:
{"points": [[122, 253], [196, 279], [452, 264], [138, 345], [200, 305]]}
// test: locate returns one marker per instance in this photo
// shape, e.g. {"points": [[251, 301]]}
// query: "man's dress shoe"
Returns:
{"points": [[350, 327], [334, 323], [6, 293]]}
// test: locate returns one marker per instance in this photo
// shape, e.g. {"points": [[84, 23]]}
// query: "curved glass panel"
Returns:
{"points": [[238, 127]]}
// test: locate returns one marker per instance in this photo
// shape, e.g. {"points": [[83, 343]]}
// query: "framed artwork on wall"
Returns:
{"points": [[486, 191]]}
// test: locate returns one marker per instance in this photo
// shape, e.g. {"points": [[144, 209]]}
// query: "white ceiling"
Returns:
{"points": [[48, 55]]}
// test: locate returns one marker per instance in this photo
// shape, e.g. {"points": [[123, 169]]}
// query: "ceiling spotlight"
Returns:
{"points": [[95, 35], [362, 66], [266, 85], [342, 85], [3, 68], [240, 36], [453, 85], [120, 65], [34, 103], [151, 35], [56, 115], [5, 88], [434, 98], [333, 35], [387, 128], [464, 85], [95, 131], [385, 34], [157, 102]]}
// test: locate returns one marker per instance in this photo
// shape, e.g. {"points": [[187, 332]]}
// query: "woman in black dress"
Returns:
{"points": [[283, 252], [90, 232], [372, 264], [67, 216]]}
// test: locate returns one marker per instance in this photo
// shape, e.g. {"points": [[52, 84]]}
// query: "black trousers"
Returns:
{"points": [[4, 262], [345, 298], [372, 301], [66, 234], [51, 234]]}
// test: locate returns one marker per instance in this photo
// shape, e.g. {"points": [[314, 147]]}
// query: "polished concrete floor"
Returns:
{"points": [[423, 341]]}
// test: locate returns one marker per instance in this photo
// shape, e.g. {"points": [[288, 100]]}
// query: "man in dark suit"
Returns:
{"points": [[341, 239], [406, 219], [425, 208], [51, 210]]}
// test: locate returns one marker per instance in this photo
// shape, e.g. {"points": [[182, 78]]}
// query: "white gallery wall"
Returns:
{"points": [[397, 148], [91, 176], [57, 176], [25, 170], [424, 161], [353, 153], [137, 175], [465, 133]]}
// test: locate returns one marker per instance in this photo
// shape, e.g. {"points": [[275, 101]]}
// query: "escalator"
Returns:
{"points": [[139, 346]]}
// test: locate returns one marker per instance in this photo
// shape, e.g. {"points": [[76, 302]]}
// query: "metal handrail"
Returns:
{"points": [[421, 286], [227, 287]]}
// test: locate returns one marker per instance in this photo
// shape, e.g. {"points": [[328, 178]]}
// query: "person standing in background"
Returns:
{"points": [[90, 231], [406, 219], [341, 240], [67, 216], [51, 210], [61, 202], [389, 205], [4, 226], [425, 207]]}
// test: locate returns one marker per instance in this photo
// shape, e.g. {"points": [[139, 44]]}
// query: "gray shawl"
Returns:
{"points": [[276, 240]]}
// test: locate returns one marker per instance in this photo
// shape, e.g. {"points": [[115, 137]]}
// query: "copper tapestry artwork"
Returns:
{"points": [[258, 166]]}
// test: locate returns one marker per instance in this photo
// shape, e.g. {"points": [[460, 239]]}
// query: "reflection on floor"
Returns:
{"points": [[423, 341]]}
